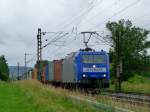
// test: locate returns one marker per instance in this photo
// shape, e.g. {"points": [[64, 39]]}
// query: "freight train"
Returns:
{"points": [[82, 69]]}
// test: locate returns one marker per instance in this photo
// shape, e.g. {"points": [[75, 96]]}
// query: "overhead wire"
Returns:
{"points": [[104, 43], [82, 13], [69, 20], [69, 42], [54, 40], [86, 13], [90, 8], [101, 40], [31, 59], [60, 47], [58, 37], [119, 12], [104, 9]]}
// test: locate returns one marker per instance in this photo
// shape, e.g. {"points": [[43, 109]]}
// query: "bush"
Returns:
{"points": [[146, 74], [138, 79], [5, 77], [4, 71]]}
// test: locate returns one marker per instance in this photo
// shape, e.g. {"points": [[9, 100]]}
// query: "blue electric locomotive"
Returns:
{"points": [[92, 69]]}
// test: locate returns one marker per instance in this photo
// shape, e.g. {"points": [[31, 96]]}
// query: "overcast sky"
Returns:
{"points": [[20, 19]]}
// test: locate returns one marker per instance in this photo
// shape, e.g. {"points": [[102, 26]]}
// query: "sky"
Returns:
{"points": [[20, 19]]}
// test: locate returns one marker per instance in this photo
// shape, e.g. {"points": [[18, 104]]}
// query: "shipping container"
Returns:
{"points": [[41, 65], [47, 72], [43, 76], [68, 72], [38, 70], [51, 70], [29, 75], [57, 70], [34, 73]]}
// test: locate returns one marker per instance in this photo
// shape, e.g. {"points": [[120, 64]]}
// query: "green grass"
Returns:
{"points": [[137, 88], [13, 100], [143, 88], [27, 96], [138, 84], [137, 79]]}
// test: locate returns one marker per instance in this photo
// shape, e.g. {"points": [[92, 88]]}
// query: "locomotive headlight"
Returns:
{"points": [[84, 75], [94, 66], [104, 75]]}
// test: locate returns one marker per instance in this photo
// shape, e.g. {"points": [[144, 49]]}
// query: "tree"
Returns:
{"points": [[129, 45], [4, 71]]}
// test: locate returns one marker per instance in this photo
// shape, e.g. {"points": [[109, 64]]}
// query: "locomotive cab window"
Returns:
{"points": [[87, 58], [93, 59], [99, 59]]}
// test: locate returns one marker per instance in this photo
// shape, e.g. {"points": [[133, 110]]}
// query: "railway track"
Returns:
{"points": [[99, 105], [130, 97]]}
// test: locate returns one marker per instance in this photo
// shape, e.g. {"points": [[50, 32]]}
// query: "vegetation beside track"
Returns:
{"points": [[136, 88], [32, 96], [136, 84]]}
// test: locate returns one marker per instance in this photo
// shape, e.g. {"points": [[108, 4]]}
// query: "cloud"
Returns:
{"points": [[20, 19]]}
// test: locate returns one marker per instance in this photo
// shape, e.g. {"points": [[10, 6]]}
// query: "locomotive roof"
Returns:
{"points": [[93, 52]]}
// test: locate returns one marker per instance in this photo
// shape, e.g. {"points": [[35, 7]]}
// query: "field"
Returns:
{"points": [[27, 96]]}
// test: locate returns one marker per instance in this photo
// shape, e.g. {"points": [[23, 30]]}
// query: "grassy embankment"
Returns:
{"points": [[31, 96]]}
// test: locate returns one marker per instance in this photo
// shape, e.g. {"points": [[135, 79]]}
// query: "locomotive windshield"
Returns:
{"points": [[93, 58]]}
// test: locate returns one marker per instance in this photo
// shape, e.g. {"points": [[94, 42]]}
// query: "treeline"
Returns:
{"points": [[4, 70], [132, 44]]}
